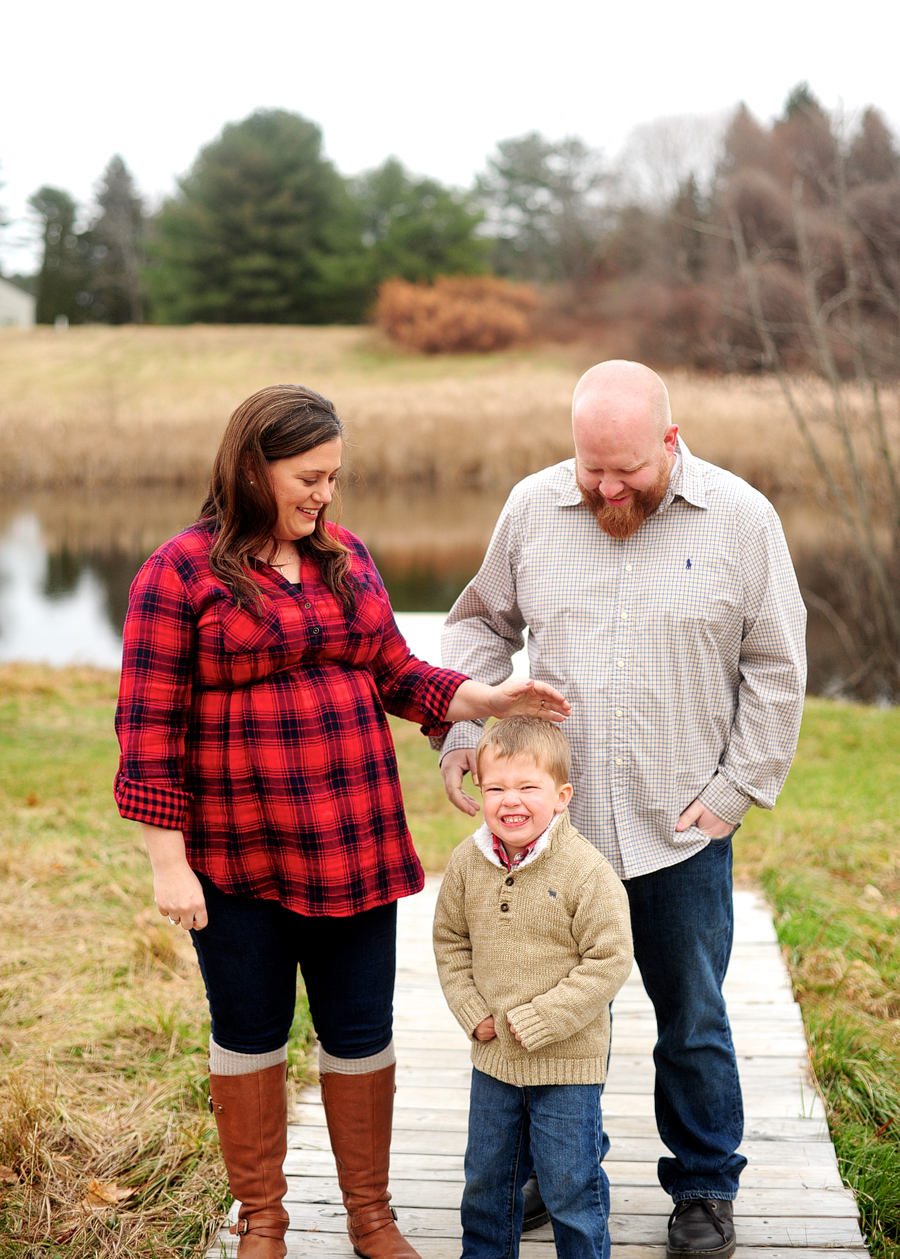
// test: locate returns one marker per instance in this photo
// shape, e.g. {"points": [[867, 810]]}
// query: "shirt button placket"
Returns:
{"points": [[506, 894], [315, 630], [624, 653]]}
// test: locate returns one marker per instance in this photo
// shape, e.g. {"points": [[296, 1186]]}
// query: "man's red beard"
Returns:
{"points": [[622, 522]]}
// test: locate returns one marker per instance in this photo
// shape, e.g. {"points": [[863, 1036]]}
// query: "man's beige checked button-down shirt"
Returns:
{"points": [[680, 648]]}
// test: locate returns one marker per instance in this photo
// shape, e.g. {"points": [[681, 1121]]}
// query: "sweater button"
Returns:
{"points": [[504, 908], [510, 882]]}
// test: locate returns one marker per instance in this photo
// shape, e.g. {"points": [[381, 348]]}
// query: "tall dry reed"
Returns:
{"points": [[104, 407]]}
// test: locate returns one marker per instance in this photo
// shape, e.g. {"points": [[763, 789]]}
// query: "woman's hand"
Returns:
{"points": [[526, 698], [515, 697], [176, 889]]}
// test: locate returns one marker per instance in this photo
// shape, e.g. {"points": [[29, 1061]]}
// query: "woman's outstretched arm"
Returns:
{"points": [[515, 697]]}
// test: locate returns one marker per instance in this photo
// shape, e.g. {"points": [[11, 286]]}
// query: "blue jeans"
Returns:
{"points": [[249, 954], [557, 1130], [682, 918]]}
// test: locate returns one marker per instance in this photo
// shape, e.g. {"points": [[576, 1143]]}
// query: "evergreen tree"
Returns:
{"points": [[807, 145], [61, 281], [746, 145], [262, 230], [683, 240], [873, 156], [544, 204], [416, 228], [116, 243]]}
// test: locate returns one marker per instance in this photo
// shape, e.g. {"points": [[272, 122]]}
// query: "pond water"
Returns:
{"points": [[67, 560]]}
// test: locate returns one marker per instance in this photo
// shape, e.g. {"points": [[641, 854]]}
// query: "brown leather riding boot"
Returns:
{"points": [[251, 1115], [359, 1110]]}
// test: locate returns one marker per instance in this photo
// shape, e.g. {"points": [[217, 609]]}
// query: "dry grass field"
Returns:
{"points": [[101, 407]]}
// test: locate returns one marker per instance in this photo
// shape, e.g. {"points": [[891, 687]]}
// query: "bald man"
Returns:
{"points": [[659, 597]]}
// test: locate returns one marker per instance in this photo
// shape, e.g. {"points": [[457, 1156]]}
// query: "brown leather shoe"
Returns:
{"points": [[359, 1110], [701, 1228], [251, 1115]]}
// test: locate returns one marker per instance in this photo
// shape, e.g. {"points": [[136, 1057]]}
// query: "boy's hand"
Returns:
{"points": [[514, 1032], [485, 1029]]}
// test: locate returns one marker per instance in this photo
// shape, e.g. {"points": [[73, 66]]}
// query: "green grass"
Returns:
{"points": [[435, 825], [103, 1023]]}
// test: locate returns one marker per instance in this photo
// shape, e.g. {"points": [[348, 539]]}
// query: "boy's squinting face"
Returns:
{"points": [[520, 799]]}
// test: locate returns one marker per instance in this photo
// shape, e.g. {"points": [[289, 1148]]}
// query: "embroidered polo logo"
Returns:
{"points": [[550, 891], [688, 564]]}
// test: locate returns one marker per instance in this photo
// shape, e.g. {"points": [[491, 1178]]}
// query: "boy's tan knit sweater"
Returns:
{"points": [[547, 945]]}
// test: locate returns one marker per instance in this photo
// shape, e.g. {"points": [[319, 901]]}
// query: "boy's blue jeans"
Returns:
{"points": [[556, 1129], [682, 918]]}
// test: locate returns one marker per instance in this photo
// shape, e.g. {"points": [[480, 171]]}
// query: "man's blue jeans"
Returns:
{"points": [[682, 918], [557, 1130]]}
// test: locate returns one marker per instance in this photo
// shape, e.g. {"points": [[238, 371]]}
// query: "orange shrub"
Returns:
{"points": [[456, 314]]}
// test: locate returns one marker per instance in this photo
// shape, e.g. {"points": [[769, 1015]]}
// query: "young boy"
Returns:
{"points": [[533, 940]]}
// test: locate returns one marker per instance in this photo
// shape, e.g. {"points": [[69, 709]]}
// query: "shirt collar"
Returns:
{"points": [[484, 841], [511, 863], [685, 482], [687, 478]]}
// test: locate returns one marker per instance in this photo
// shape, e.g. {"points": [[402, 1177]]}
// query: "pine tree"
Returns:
{"points": [[262, 230], [116, 241], [873, 156], [62, 274], [416, 228], [543, 202]]}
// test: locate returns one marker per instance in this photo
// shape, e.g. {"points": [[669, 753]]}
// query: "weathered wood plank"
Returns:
{"points": [[772, 1203], [334, 1246], [755, 1129], [624, 1068], [428, 1166], [422, 1068], [761, 1106], [628, 1229], [625, 1150]]}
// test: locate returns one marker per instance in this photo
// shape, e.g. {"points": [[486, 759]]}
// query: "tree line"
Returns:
{"points": [[262, 229], [653, 251]]}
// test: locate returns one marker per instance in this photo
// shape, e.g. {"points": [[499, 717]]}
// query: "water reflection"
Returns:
{"points": [[53, 608], [66, 562]]}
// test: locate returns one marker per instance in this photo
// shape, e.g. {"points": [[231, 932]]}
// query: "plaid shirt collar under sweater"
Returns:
{"points": [[492, 848]]}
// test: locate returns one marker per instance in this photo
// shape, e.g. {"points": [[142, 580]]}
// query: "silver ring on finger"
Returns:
{"points": [[174, 921]]}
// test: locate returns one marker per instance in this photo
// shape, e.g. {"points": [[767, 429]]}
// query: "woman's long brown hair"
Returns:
{"points": [[276, 423]]}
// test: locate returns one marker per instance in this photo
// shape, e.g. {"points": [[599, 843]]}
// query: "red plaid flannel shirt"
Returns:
{"points": [[264, 738]]}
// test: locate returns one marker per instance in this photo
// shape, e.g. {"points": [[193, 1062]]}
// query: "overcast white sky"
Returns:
{"points": [[436, 84]]}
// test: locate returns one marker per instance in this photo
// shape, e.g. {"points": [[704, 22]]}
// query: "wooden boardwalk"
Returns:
{"points": [[791, 1200]]}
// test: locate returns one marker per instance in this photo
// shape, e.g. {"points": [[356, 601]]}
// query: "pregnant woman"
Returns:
{"points": [[260, 660]]}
